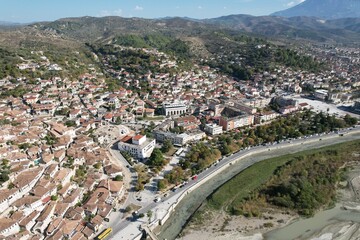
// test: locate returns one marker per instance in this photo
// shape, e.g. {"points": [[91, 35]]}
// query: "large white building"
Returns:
{"points": [[138, 146], [176, 139], [321, 94], [174, 109], [213, 129]]}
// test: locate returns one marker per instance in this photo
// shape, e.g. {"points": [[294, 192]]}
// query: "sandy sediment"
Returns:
{"points": [[236, 227]]}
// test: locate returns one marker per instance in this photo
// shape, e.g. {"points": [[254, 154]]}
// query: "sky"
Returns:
{"points": [[26, 11]]}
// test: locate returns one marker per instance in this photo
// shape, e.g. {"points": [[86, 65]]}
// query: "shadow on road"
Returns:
{"points": [[348, 109]]}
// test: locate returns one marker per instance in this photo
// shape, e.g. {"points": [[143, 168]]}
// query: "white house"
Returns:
{"points": [[45, 218], [8, 227]]}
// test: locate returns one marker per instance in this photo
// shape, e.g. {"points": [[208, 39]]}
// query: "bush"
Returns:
{"points": [[128, 209], [97, 165], [268, 225], [118, 178], [162, 184], [54, 198]]}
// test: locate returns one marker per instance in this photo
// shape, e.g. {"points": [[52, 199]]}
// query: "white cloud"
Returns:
{"points": [[138, 8], [200, 7], [293, 3], [105, 13]]}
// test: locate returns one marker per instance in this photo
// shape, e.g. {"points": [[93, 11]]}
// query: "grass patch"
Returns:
{"points": [[303, 181], [242, 185]]}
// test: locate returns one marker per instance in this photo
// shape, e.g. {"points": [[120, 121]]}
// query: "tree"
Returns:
{"points": [[167, 146], [118, 178], [54, 198], [350, 120], [118, 121], [225, 149], [70, 123], [4, 177], [128, 209], [176, 175], [149, 214], [97, 165], [203, 123], [156, 159], [11, 185], [59, 187], [24, 146], [139, 186], [162, 184]]}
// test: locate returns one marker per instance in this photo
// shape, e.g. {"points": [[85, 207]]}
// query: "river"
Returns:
{"points": [[336, 217], [174, 225], [326, 224]]}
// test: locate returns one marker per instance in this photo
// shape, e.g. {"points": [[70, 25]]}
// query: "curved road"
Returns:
{"points": [[129, 228]]}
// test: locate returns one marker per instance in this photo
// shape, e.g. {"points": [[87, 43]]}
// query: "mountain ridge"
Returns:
{"points": [[91, 29], [324, 9]]}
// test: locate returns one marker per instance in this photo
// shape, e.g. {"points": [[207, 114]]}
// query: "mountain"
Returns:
{"points": [[308, 28], [88, 29], [92, 29], [5, 23], [324, 9]]}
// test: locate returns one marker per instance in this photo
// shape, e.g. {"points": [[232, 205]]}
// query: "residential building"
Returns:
{"points": [[236, 122], [265, 117], [8, 227]]}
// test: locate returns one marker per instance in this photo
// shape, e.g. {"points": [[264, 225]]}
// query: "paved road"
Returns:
{"points": [[129, 228]]}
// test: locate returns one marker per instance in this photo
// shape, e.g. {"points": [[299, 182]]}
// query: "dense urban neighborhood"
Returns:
{"points": [[87, 145]]}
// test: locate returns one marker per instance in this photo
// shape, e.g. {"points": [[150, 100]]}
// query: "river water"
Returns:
{"points": [[174, 225], [306, 228]]}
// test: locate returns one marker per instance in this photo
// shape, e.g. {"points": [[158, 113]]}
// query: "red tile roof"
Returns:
{"points": [[125, 139], [137, 137]]}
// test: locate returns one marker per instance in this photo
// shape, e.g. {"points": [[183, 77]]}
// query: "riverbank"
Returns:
{"points": [[236, 227], [341, 222], [208, 223]]}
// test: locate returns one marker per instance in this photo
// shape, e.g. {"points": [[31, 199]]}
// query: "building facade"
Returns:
{"points": [[229, 124], [176, 139], [213, 129], [174, 109], [138, 146]]}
